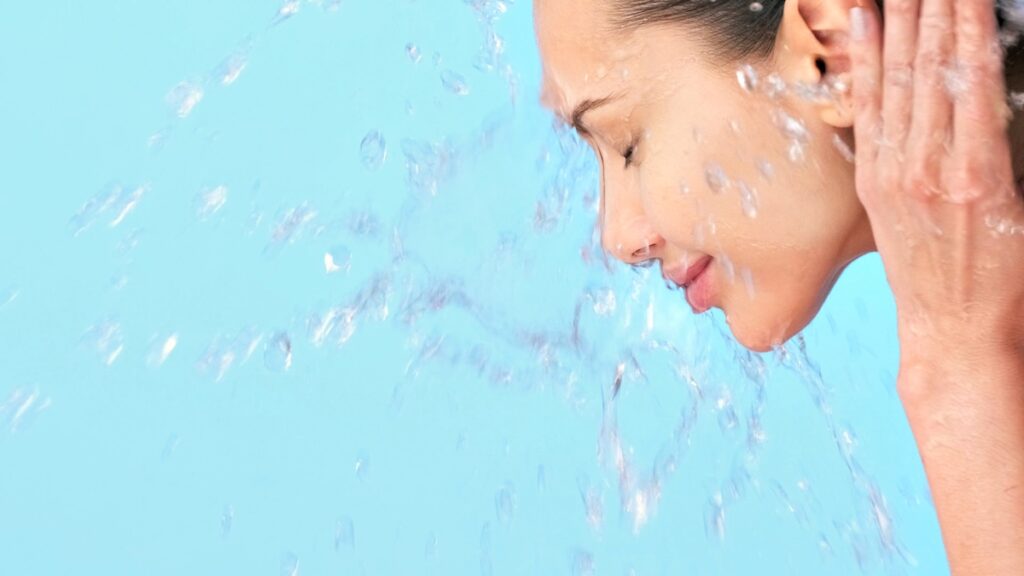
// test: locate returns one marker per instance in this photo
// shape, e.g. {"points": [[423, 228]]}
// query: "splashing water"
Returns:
{"points": [[374, 150], [475, 289]]}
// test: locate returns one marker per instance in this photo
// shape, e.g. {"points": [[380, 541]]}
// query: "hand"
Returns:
{"points": [[935, 175]]}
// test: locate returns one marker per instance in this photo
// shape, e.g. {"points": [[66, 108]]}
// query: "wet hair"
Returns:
{"points": [[739, 29], [731, 28]]}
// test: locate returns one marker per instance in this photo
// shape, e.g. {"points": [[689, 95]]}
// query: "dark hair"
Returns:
{"points": [[738, 29], [732, 28]]}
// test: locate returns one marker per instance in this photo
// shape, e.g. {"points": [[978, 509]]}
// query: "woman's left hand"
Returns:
{"points": [[935, 175]]}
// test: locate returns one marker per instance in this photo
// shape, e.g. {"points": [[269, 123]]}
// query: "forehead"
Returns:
{"points": [[580, 54]]}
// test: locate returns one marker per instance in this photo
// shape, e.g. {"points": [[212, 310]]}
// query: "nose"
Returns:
{"points": [[626, 232]]}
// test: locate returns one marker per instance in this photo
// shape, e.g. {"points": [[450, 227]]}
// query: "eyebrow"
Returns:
{"points": [[586, 106]]}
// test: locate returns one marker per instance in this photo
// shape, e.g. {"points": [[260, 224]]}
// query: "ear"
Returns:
{"points": [[811, 48]]}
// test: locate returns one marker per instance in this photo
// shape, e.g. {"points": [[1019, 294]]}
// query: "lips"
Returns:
{"points": [[684, 276], [696, 282]]}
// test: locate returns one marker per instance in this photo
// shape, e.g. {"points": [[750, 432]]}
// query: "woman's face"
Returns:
{"points": [[751, 179]]}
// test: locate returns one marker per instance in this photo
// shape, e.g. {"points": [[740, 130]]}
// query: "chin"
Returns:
{"points": [[762, 334]]}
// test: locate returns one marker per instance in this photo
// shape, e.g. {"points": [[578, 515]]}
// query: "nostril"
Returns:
{"points": [[645, 252]]}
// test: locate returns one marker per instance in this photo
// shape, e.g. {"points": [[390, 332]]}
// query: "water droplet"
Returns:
{"points": [[430, 548], [106, 339], [454, 83], [170, 445], [715, 177], [362, 466], [231, 68], [21, 407], [373, 150], [344, 533], [289, 563], [504, 504], [413, 52], [227, 518], [593, 504], [604, 302], [287, 10], [486, 564], [277, 355], [792, 128], [8, 295], [183, 98], [747, 78], [338, 258], [210, 201], [748, 198], [796, 152], [766, 169], [115, 199], [775, 86], [955, 80], [844, 149], [161, 350], [756, 7], [1017, 100], [582, 563], [748, 281], [715, 518]]}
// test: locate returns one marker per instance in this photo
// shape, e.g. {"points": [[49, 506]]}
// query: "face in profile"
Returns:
{"points": [[704, 159]]}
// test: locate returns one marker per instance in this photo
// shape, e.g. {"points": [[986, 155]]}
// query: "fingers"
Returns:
{"points": [[866, 79], [935, 79], [981, 112], [901, 40]]}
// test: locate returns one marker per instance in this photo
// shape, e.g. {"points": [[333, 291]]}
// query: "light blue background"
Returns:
{"points": [[464, 423]]}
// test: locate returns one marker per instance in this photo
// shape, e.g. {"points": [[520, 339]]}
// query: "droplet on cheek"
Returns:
{"points": [[766, 169], [796, 152], [715, 177], [748, 281], [775, 86], [730, 270], [748, 198]]}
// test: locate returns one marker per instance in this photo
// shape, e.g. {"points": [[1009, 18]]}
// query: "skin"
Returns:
{"points": [[934, 165], [772, 272]]}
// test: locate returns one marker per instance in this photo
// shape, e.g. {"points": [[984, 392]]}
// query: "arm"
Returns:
{"points": [[934, 170], [966, 411]]}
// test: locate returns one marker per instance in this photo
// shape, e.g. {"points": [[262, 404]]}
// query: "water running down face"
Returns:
{"points": [[747, 163]]}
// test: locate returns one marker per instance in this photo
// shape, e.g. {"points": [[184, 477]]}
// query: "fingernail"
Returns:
{"points": [[858, 24]]}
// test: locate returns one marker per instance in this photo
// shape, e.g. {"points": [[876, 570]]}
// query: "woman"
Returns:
{"points": [[755, 149]]}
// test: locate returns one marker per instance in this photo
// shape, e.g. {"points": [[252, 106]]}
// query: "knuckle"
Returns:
{"points": [[898, 74], [969, 173], [932, 61], [899, 9], [919, 180]]}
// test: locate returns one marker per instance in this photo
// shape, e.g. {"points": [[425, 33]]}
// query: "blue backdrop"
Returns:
{"points": [[313, 288]]}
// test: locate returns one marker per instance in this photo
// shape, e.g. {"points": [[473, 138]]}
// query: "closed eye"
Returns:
{"points": [[628, 154]]}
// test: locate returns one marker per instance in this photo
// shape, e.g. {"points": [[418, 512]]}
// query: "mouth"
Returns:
{"points": [[696, 281]]}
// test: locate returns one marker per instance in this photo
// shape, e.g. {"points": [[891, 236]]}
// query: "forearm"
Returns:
{"points": [[966, 411]]}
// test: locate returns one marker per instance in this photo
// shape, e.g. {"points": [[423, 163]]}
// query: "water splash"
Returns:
{"points": [[373, 150]]}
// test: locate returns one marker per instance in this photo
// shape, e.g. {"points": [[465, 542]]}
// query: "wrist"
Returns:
{"points": [[935, 372]]}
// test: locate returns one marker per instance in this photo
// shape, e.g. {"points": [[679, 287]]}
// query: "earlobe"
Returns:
{"points": [[840, 111]]}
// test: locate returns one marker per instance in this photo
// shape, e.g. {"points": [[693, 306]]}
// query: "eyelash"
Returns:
{"points": [[628, 154]]}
